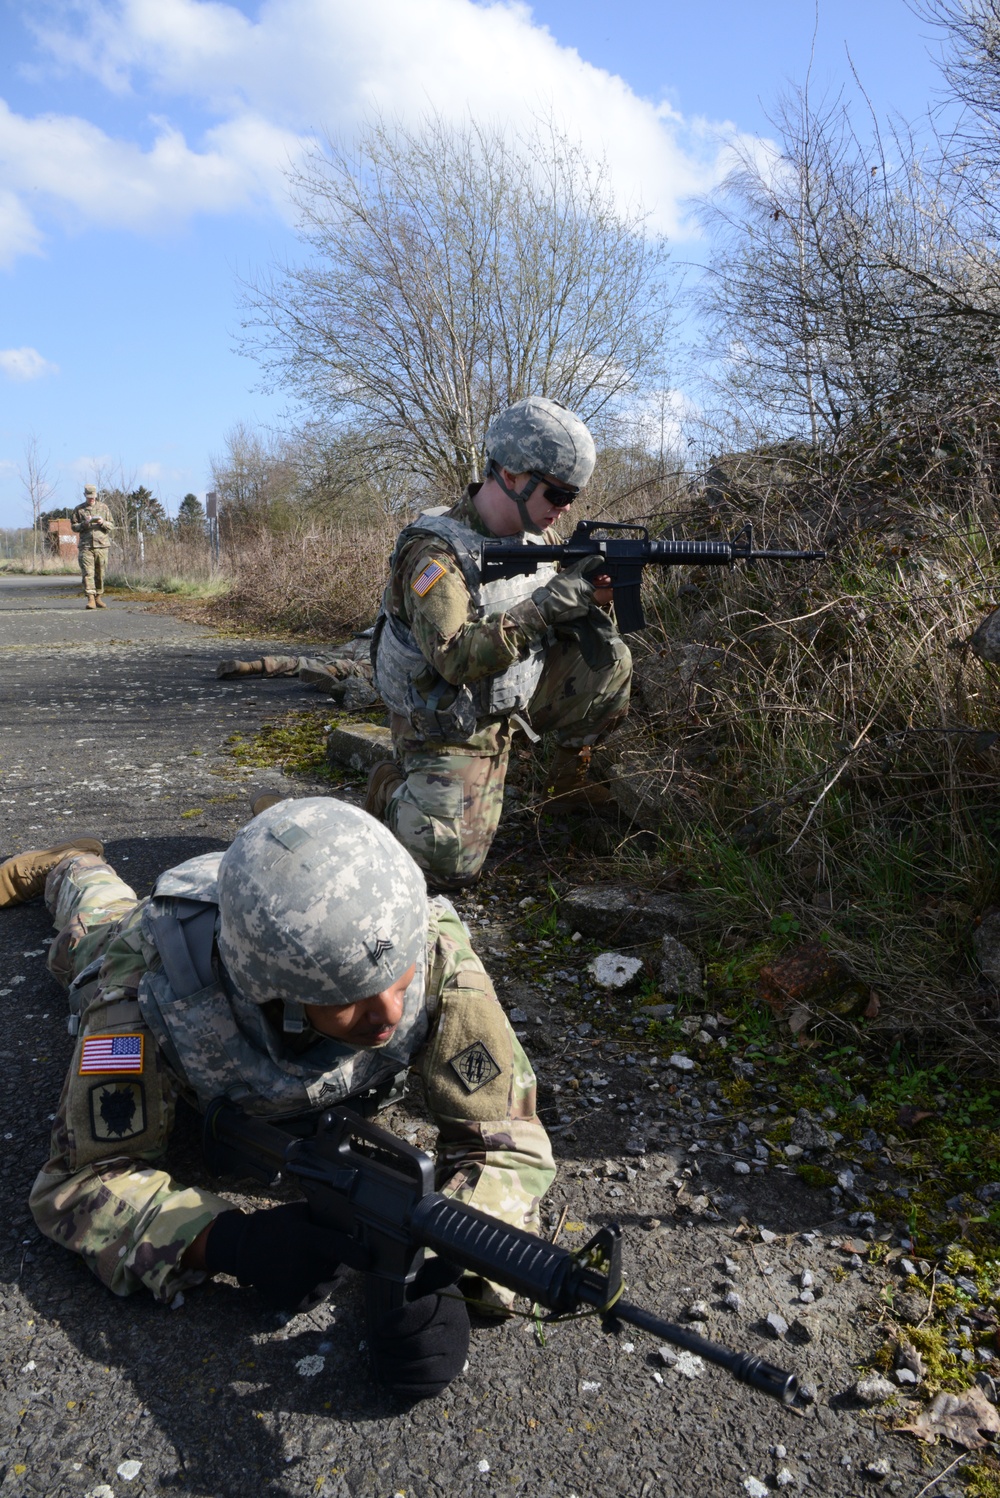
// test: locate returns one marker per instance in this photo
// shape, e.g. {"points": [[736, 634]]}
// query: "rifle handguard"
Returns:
{"points": [[526, 1264]]}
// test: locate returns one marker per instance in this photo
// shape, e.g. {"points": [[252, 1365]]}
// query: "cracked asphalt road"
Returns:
{"points": [[113, 723]]}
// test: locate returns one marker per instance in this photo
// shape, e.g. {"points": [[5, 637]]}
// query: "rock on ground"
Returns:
{"points": [[680, 970], [359, 746], [607, 911]]}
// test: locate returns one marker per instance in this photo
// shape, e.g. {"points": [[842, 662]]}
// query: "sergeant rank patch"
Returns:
{"points": [[474, 1067], [117, 1111], [432, 573]]}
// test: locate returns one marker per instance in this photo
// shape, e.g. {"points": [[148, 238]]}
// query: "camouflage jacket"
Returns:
{"points": [[442, 620], [96, 536], [104, 1193]]}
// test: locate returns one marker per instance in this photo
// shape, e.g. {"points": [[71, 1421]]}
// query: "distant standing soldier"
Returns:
{"points": [[93, 524]]}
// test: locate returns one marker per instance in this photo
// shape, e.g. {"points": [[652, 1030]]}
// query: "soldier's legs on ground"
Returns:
{"points": [[446, 810], [87, 567], [579, 704], [85, 898], [332, 676], [100, 557]]}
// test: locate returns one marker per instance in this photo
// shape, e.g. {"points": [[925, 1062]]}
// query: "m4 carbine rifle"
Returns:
{"points": [[375, 1196], [624, 558]]}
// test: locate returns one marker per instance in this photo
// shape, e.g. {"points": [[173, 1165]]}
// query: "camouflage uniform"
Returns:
{"points": [[104, 1192], [94, 542], [324, 673], [446, 810]]}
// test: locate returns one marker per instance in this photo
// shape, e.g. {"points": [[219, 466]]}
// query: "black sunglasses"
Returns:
{"points": [[554, 493]]}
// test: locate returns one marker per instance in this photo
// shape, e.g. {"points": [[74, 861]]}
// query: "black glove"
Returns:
{"points": [[280, 1251], [419, 1347]]}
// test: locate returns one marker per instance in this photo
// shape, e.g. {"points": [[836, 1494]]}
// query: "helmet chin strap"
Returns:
{"points": [[520, 500]]}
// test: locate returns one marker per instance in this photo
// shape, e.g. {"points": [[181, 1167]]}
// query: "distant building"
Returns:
{"points": [[60, 541]]}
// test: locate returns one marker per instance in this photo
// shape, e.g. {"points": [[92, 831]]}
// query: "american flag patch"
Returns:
{"points": [[111, 1053], [431, 574]]}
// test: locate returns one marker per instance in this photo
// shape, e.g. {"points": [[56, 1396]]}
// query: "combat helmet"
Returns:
{"points": [[539, 436], [318, 904]]}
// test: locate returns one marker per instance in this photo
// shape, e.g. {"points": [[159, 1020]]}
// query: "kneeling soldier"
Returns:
{"points": [[460, 662]]}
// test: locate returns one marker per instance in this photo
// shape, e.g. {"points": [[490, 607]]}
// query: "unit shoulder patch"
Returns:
{"points": [[117, 1111], [474, 1066], [432, 573]]}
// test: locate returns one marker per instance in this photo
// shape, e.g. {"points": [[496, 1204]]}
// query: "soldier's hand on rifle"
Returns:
{"points": [[603, 592], [280, 1251], [570, 594], [417, 1348]]}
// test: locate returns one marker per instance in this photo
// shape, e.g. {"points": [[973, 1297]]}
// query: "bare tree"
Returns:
{"points": [[35, 481], [971, 61], [255, 480], [847, 285], [453, 271]]}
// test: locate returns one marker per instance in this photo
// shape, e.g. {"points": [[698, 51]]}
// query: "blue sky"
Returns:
{"points": [[143, 142]]}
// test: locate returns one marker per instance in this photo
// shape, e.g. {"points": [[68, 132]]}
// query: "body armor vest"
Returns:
{"points": [[218, 1042], [397, 661]]}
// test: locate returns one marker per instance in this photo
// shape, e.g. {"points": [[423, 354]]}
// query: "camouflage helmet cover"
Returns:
{"points": [[318, 904], [89, 491], [538, 435]]}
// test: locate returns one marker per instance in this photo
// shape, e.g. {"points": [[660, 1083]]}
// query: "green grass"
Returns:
{"points": [[294, 743], [47, 566], [168, 584]]}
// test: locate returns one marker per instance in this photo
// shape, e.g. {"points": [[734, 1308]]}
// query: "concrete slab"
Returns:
{"points": [[359, 746]]}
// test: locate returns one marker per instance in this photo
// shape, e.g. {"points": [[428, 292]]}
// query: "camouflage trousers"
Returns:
{"points": [[347, 681], [446, 808], [101, 1194], [85, 898], [92, 563]]}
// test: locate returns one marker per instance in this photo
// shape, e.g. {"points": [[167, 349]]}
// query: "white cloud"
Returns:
{"points": [[659, 420], [96, 179], [19, 235], [25, 364], [269, 84]]}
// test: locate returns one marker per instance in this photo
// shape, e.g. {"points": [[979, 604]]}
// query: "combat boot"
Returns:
{"points": [[100, 601], [382, 781], [225, 669], [570, 787], [23, 876], [91, 600]]}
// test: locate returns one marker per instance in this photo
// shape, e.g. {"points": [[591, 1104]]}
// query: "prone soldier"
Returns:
{"points": [[345, 673], [302, 968]]}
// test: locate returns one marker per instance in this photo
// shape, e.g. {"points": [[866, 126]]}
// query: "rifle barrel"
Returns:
{"points": [[745, 1366], [785, 556]]}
